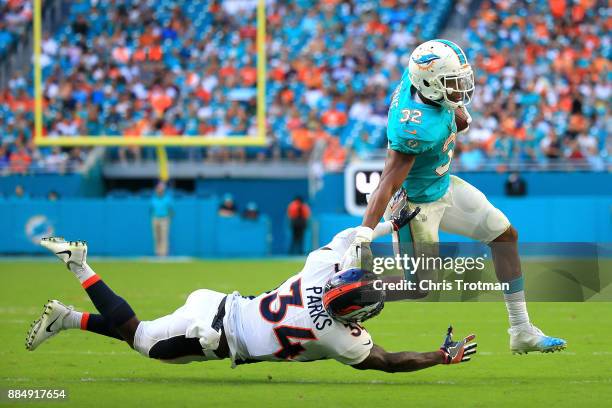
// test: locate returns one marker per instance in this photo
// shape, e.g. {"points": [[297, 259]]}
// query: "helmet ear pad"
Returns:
{"points": [[427, 89]]}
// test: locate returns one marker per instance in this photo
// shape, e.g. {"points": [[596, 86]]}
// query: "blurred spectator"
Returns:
{"points": [[161, 214], [76, 158], [52, 196], [298, 213], [251, 212], [334, 155], [588, 147], [81, 26], [20, 192], [551, 145], [4, 159], [334, 118], [515, 185], [305, 139], [362, 147], [227, 207], [20, 160], [471, 158], [130, 153], [56, 161]]}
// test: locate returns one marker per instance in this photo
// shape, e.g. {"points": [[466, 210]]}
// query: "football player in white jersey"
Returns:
{"points": [[314, 315]]}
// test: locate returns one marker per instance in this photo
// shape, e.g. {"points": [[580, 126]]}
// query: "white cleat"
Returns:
{"points": [[71, 252], [529, 338], [48, 324]]}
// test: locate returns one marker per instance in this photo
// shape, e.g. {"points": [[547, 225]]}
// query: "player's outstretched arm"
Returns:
{"points": [[401, 362], [451, 352]]}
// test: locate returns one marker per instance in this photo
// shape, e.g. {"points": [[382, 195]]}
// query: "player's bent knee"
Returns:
{"points": [[510, 235], [128, 330]]}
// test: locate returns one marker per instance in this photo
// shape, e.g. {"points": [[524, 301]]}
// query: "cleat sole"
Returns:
{"points": [[547, 350]]}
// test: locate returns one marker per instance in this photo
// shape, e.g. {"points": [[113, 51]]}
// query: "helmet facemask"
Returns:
{"points": [[457, 89]]}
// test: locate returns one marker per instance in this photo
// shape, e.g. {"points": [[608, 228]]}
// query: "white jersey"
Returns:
{"points": [[290, 323]]}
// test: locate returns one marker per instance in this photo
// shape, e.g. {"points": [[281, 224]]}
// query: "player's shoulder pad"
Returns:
{"points": [[410, 138]]}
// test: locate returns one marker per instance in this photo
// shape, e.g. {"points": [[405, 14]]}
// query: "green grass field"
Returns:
{"points": [[97, 371]]}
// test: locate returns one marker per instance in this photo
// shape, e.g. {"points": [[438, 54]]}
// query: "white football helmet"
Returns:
{"points": [[439, 70]]}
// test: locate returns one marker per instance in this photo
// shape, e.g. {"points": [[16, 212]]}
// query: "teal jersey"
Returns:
{"points": [[429, 133], [161, 206]]}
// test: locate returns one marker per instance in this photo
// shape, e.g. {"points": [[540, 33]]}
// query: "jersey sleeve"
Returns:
{"points": [[351, 345], [342, 240], [354, 355], [409, 139]]}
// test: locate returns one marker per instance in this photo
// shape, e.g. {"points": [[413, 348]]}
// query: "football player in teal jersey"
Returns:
{"points": [[421, 133]]}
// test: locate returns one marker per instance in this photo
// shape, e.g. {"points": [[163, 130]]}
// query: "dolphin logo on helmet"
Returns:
{"points": [[426, 61]]}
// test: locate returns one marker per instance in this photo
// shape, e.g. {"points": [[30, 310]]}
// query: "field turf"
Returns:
{"points": [[98, 371]]}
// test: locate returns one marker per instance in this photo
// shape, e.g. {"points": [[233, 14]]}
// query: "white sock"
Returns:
{"points": [[517, 308], [72, 320], [82, 272]]}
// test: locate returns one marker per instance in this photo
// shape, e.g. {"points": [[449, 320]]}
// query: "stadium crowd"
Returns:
{"points": [[136, 69], [15, 17], [148, 69], [543, 83]]}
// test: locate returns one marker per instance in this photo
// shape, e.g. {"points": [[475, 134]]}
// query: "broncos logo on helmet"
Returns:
{"points": [[349, 296]]}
